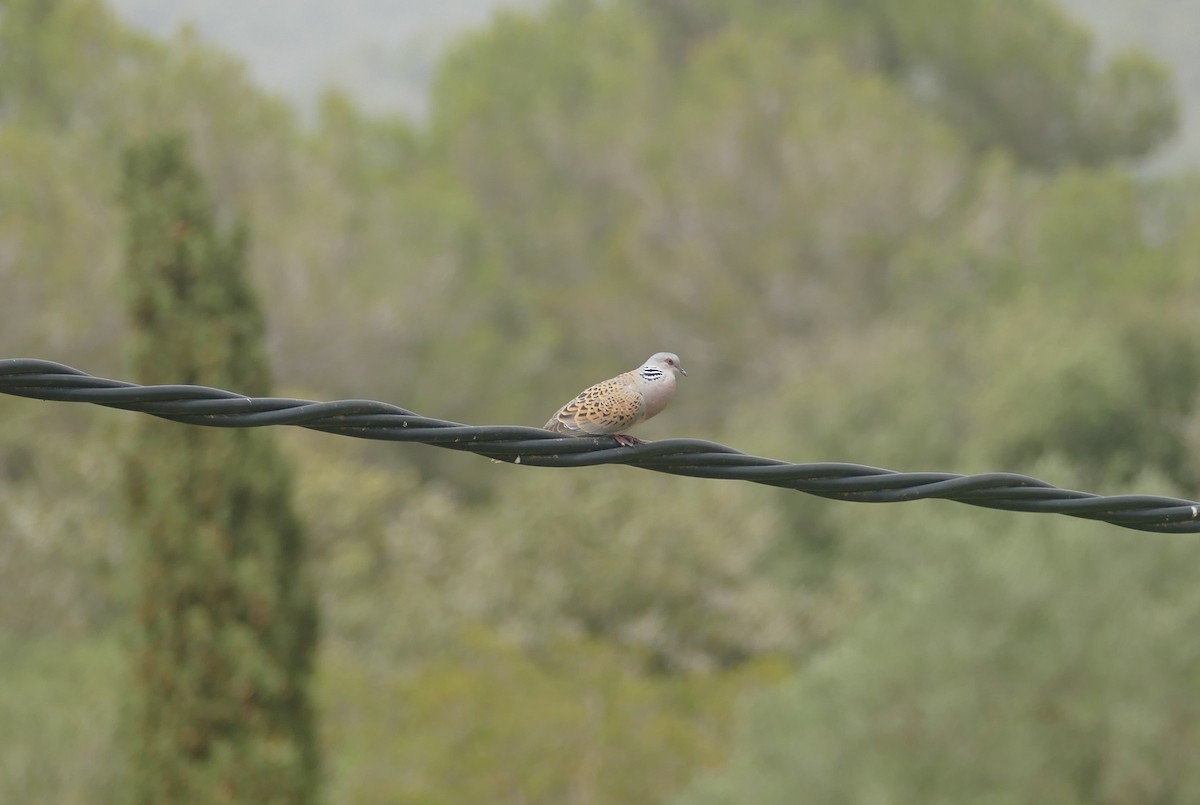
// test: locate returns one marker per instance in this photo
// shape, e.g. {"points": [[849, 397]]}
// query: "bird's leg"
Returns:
{"points": [[625, 440]]}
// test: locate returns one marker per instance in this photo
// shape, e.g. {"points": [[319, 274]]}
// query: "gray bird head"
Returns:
{"points": [[667, 361]]}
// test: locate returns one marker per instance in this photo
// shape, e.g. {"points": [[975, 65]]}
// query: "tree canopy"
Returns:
{"points": [[911, 236]]}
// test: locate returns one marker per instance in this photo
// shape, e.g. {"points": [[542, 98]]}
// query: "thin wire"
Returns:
{"points": [[367, 419]]}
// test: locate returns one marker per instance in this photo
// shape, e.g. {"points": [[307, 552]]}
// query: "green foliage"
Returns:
{"points": [[59, 707], [898, 235], [550, 167], [765, 243], [562, 558], [48, 277], [1111, 389], [772, 230], [1021, 76], [485, 721], [1114, 399], [1007, 659], [61, 566], [43, 80], [226, 616], [1127, 110]]}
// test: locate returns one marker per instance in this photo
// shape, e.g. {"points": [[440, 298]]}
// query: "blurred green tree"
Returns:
{"points": [[43, 79], [1022, 76], [226, 614], [485, 721], [1003, 660], [877, 232]]}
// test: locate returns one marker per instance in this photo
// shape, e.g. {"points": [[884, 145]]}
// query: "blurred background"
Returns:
{"points": [[946, 235]]}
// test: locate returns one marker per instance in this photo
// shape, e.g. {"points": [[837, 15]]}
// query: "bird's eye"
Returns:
{"points": [[670, 362]]}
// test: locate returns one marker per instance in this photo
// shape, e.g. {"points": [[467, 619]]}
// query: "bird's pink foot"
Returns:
{"points": [[626, 441]]}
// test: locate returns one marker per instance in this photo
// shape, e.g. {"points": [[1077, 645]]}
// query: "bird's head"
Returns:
{"points": [[667, 361]]}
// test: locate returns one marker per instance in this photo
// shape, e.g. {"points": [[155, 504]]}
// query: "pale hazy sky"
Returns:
{"points": [[382, 51]]}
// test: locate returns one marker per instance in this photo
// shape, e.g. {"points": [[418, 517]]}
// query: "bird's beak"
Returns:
{"points": [[681, 371]]}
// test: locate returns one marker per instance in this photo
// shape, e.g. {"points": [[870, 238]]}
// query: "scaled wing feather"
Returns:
{"points": [[609, 407]]}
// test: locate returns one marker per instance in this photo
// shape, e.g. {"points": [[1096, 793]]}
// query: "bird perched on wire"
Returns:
{"points": [[614, 406]]}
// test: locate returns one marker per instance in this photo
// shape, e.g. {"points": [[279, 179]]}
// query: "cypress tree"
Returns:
{"points": [[225, 611]]}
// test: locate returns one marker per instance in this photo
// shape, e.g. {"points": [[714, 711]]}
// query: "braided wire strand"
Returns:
{"points": [[368, 419]]}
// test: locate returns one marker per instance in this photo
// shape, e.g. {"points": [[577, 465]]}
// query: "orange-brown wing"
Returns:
{"points": [[609, 407]]}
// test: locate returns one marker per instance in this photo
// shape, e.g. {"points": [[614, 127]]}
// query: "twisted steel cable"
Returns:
{"points": [[367, 419]]}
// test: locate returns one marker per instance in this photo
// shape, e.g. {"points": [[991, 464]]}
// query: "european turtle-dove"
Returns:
{"points": [[614, 406]]}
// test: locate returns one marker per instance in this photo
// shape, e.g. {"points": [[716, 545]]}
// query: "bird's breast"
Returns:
{"points": [[657, 394]]}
